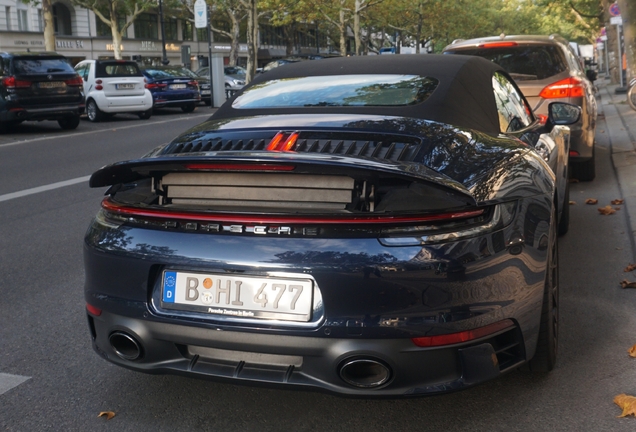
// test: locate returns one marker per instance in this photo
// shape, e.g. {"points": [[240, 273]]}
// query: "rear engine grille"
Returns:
{"points": [[374, 146], [253, 190]]}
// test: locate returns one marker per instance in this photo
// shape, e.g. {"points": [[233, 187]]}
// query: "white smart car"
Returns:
{"points": [[114, 86]]}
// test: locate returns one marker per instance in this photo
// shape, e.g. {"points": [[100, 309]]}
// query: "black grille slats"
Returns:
{"points": [[382, 147]]}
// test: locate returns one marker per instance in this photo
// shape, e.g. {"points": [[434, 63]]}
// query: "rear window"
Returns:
{"points": [[116, 69], [35, 66], [169, 73], [338, 90], [523, 63]]}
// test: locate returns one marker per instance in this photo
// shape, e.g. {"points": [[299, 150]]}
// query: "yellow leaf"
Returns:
{"points": [[607, 210], [572, 202], [632, 351], [591, 201], [108, 414], [626, 403]]}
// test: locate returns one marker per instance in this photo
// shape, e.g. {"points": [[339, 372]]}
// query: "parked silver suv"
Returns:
{"points": [[546, 69]]}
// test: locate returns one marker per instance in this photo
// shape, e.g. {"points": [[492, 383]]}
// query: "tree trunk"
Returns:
{"points": [[343, 33], [49, 28], [234, 44], [357, 31], [289, 40], [628, 13], [252, 39], [115, 32]]}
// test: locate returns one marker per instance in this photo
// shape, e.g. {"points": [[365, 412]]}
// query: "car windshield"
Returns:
{"points": [[170, 73], [28, 66], [235, 71], [528, 62], [338, 90], [117, 69]]}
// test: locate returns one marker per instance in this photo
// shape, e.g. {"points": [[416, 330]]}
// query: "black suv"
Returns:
{"points": [[39, 86]]}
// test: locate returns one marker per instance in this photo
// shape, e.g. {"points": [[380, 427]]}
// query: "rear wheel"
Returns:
{"points": [[547, 346], [188, 108], [145, 115], [69, 122], [93, 112], [585, 171]]}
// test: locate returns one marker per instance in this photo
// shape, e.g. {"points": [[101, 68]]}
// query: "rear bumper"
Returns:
{"points": [[313, 363], [122, 104], [42, 113]]}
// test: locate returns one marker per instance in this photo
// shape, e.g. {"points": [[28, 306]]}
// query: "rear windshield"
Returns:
{"points": [[170, 73], [34, 66], [117, 69], [338, 90], [523, 63]]}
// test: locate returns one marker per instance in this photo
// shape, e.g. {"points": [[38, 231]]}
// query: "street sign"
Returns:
{"points": [[603, 38], [616, 20], [200, 14], [614, 10], [600, 46]]}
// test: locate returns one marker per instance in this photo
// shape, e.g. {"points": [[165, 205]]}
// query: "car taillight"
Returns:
{"points": [[193, 84], [98, 85], [498, 45], [283, 142], [159, 86], [77, 81], [12, 82], [567, 88], [465, 336]]}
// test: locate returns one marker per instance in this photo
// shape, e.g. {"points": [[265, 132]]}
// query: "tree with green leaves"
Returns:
{"points": [[117, 14]]}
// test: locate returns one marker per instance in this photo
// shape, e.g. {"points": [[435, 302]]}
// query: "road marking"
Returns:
{"points": [[76, 134], [23, 193], [7, 381]]}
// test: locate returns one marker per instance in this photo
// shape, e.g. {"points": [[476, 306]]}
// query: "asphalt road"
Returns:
{"points": [[50, 379]]}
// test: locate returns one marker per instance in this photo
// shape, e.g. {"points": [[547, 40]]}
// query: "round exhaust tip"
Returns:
{"points": [[125, 346], [365, 373]]}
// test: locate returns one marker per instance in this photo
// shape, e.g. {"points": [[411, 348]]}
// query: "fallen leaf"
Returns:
{"points": [[109, 414], [572, 202], [626, 403], [628, 284], [617, 202], [617, 208], [630, 267], [573, 180], [607, 210], [591, 201], [602, 131], [632, 351]]}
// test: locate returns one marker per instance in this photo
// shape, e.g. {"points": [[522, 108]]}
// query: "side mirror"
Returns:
{"points": [[591, 74], [561, 113]]}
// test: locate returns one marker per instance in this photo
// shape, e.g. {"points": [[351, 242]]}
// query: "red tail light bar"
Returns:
{"points": [[120, 209], [498, 45], [160, 86], [283, 142], [76, 82], [465, 336], [12, 82], [239, 167]]}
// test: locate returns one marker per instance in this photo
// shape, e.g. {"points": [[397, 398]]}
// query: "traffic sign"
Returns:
{"points": [[616, 20], [614, 10], [200, 14]]}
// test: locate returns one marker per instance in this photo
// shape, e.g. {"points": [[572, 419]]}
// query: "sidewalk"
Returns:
{"points": [[620, 125]]}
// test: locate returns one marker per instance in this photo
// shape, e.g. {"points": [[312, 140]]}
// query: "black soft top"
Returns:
{"points": [[463, 97]]}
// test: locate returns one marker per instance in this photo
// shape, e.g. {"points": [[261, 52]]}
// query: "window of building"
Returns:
{"points": [[103, 29], [40, 21], [61, 19], [171, 28], [202, 34], [147, 26], [7, 15], [187, 30], [23, 22]]}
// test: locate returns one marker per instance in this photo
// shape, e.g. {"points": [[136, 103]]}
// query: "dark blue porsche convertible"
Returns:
{"points": [[374, 226]]}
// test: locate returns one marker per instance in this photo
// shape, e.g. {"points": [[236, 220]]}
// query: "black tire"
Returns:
{"points": [[188, 108], [631, 97], [564, 222], [69, 123], [585, 171], [145, 115], [93, 112], [547, 346]]}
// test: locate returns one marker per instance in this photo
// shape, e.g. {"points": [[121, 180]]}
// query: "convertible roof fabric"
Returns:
{"points": [[464, 96]]}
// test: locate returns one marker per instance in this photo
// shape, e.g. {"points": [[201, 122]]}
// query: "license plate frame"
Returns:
{"points": [[125, 86], [238, 296], [51, 84], [178, 86]]}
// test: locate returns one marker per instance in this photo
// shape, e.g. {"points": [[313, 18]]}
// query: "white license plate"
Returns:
{"points": [[205, 92], [51, 84], [238, 296], [177, 86], [125, 86]]}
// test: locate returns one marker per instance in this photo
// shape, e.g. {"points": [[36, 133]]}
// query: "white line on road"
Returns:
{"points": [[22, 193], [8, 381], [76, 134]]}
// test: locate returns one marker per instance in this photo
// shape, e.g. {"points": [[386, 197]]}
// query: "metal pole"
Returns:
{"points": [[607, 72], [620, 55], [210, 57], [164, 58]]}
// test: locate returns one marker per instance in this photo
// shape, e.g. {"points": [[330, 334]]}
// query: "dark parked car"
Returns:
{"points": [[202, 81], [546, 70], [172, 87], [376, 226], [39, 86]]}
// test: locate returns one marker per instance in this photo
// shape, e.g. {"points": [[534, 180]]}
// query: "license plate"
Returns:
{"points": [[177, 86], [205, 92], [125, 86], [238, 296], [51, 84]]}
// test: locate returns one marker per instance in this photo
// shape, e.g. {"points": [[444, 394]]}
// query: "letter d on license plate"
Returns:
{"points": [[238, 296]]}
